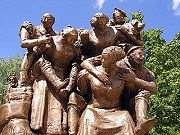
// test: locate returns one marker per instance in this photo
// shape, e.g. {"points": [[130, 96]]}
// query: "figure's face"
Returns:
{"points": [[30, 29], [47, 21], [106, 60], [119, 17], [93, 21], [138, 56], [98, 22], [70, 39]]}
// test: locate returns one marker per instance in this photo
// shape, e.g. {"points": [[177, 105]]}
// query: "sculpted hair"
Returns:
{"points": [[115, 52], [102, 15], [26, 25], [118, 11]]}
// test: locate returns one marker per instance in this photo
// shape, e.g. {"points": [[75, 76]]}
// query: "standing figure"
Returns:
{"points": [[51, 88], [118, 17], [103, 114], [93, 42], [137, 90], [36, 39]]}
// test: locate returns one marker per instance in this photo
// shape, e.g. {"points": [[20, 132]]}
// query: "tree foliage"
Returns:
{"points": [[137, 15], [163, 58], [8, 68]]}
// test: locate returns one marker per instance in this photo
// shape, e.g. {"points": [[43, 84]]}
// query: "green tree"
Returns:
{"points": [[163, 58], [137, 15], [8, 68]]}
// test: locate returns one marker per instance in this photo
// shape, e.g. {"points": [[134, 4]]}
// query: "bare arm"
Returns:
{"points": [[89, 65], [26, 42], [83, 81], [130, 34], [150, 86]]}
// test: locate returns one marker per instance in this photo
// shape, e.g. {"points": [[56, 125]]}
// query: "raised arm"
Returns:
{"points": [[89, 65], [27, 42]]}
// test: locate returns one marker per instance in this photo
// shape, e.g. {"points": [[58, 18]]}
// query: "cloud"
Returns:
{"points": [[99, 3], [176, 6]]}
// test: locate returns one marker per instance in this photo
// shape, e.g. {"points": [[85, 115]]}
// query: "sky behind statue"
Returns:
{"points": [[163, 14]]}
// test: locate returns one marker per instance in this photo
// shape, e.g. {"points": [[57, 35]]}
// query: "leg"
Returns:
{"points": [[143, 125], [50, 74], [76, 105], [26, 64]]}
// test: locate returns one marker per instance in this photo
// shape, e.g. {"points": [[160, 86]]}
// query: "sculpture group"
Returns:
{"points": [[80, 82]]}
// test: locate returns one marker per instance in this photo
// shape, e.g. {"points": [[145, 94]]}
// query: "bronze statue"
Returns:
{"points": [[103, 114], [51, 88], [118, 17], [93, 42], [36, 39], [14, 118], [138, 89], [109, 96], [145, 86]]}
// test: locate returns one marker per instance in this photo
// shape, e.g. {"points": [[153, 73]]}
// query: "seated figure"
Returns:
{"points": [[103, 115]]}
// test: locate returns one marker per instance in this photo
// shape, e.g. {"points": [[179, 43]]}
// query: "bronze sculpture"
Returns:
{"points": [[53, 66], [138, 89], [36, 39], [103, 114], [118, 17], [50, 97]]}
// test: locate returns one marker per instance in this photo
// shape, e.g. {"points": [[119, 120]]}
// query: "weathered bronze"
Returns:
{"points": [[51, 73], [118, 17], [109, 96], [137, 89], [103, 114]]}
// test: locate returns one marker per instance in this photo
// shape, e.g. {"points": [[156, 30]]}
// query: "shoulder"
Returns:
{"points": [[83, 77], [24, 34], [122, 63], [83, 74]]}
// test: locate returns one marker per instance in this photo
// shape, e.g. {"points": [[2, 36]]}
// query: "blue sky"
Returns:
{"points": [[164, 14]]}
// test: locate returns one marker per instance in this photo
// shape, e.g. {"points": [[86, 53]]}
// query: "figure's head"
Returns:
{"points": [[70, 35], [118, 16], [138, 26], [111, 55], [28, 26], [136, 55], [47, 20], [99, 20]]}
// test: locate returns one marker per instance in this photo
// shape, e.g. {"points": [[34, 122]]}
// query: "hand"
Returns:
{"points": [[64, 93], [121, 28], [103, 78], [47, 40]]}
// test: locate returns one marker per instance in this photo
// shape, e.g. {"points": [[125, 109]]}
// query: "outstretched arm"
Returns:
{"points": [[26, 42], [150, 86]]}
